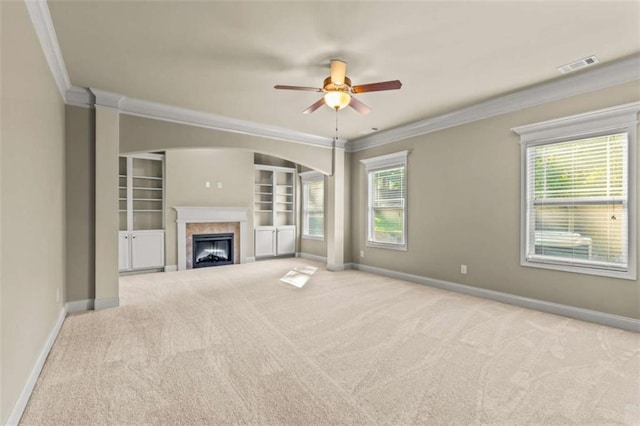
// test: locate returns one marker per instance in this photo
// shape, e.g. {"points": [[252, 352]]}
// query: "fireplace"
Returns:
{"points": [[212, 250]]}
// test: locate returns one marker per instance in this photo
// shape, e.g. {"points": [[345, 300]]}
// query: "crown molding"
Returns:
{"points": [[42, 23], [617, 117], [80, 97], [596, 78], [106, 99], [158, 111]]}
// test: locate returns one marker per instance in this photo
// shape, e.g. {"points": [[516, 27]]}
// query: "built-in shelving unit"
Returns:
{"points": [[274, 210], [141, 211]]}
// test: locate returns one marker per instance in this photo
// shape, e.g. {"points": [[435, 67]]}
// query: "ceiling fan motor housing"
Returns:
{"points": [[330, 87]]}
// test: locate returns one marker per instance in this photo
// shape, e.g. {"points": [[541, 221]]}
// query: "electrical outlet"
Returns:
{"points": [[463, 269], [58, 294], [207, 184], [361, 253], [219, 185]]}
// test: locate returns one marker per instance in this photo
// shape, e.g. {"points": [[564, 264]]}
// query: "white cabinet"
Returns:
{"points": [[124, 252], [285, 240], [274, 211], [147, 249], [141, 212], [265, 237], [141, 250], [275, 240]]}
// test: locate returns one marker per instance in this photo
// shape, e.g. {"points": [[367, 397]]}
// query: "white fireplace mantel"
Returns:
{"points": [[210, 215]]}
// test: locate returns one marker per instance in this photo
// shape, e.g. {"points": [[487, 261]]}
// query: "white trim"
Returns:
{"points": [[170, 268], [106, 303], [321, 259], [158, 111], [274, 168], [251, 259], [386, 161], [582, 314], [80, 97], [23, 399], [310, 175], [618, 116], [379, 164], [339, 267], [614, 119], [42, 23], [210, 214], [79, 306], [599, 77], [107, 99]]}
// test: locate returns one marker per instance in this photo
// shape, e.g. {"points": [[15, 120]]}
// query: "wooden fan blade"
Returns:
{"points": [[338, 71], [359, 106], [311, 89], [314, 107], [377, 87]]}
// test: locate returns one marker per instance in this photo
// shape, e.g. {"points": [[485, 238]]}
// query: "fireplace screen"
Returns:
{"points": [[212, 250]]}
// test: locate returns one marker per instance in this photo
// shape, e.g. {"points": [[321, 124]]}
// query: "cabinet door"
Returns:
{"points": [[124, 254], [147, 250], [286, 241], [265, 242]]}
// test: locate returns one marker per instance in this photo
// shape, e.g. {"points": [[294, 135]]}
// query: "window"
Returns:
{"points": [[578, 193], [312, 205], [387, 200]]}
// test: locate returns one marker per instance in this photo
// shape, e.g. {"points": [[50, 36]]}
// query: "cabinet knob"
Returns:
{"points": [[126, 237]]}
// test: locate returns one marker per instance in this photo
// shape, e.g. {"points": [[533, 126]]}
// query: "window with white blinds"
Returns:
{"points": [[577, 202], [387, 196], [579, 193], [313, 206]]}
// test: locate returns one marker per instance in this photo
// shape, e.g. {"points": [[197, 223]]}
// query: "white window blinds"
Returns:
{"points": [[386, 200], [313, 206], [577, 202]]}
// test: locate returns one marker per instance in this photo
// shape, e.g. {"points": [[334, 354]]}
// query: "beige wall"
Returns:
{"points": [[139, 134], [187, 170], [33, 201], [80, 202], [463, 208]]}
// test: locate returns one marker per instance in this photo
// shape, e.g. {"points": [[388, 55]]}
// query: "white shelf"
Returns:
{"points": [[142, 188], [145, 199], [147, 211], [147, 177], [264, 211]]}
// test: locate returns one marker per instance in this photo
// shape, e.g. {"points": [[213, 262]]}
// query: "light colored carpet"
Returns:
{"points": [[233, 344]]}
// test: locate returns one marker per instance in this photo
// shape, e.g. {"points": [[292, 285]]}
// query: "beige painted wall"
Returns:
{"points": [[80, 202], [139, 134], [33, 201], [464, 208], [187, 170]]}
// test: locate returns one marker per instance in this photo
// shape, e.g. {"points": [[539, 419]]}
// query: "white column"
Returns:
{"points": [[336, 211], [107, 226]]}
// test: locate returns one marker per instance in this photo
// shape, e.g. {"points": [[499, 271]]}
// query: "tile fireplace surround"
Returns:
{"points": [[212, 220]]}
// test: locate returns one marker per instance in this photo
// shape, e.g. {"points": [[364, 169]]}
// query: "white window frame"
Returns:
{"points": [[307, 177], [377, 164], [618, 119]]}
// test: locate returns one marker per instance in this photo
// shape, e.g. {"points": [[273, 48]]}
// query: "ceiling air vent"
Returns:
{"points": [[577, 65]]}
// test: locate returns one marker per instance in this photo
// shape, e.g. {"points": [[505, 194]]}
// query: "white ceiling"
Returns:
{"points": [[225, 57]]}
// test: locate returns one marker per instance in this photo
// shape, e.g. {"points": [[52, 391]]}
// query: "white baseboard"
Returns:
{"points": [[106, 302], [314, 257], [611, 320], [79, 306], [170, 268], [250, 259], [339, 267], [21, 403]]}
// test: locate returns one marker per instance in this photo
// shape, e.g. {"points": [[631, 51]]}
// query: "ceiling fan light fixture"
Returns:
{"points": [[337, 99]]}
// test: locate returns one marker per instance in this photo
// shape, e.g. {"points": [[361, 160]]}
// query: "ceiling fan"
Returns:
{"points": [[338, 90]]}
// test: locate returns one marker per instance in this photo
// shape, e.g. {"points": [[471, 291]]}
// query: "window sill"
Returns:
{"points": [[312, 237], [398, 247], [627, 275]]}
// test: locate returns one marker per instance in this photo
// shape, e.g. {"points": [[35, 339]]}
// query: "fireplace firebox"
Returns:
{"points": [[212, 250]]}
